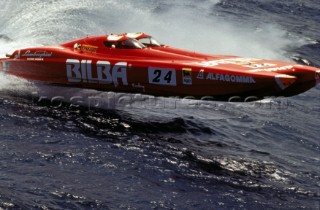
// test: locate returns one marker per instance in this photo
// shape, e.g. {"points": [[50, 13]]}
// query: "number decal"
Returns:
{"points": [[168, 77], [158, 75], [162, 76], [187, 76]]}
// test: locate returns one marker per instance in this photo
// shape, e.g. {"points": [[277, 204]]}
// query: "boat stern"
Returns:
{"points": [[4, 64]]}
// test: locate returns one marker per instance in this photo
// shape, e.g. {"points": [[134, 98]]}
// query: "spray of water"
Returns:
{"points": [[185, 24], [15, 85]]}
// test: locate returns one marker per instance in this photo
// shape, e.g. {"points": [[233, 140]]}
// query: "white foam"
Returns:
{"points": [[15, 84]]}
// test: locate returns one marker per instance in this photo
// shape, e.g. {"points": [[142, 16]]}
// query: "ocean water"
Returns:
{"points": [[64, 148]]}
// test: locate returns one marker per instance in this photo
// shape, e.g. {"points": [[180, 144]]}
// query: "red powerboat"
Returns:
{"points": [[137, 63]]}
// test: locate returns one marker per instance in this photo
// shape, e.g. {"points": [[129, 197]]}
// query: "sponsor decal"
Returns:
{"points": [[200, 74], [162, 76], [230, 78], [29, 53], [187, 76], [104, 73], [281, 68], [139, 86], [76, 46], [226, 77], [260, 65], [89, 48], [236, 61], [35, 59], [85, 48]]}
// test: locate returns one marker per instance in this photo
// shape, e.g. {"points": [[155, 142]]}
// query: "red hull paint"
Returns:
{"points": [[102, 63]]}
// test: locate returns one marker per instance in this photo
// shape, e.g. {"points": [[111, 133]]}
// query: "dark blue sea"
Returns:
{"points": [[63, 148]]}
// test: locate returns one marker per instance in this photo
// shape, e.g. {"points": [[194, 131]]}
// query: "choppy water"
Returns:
{"points": [[134, 152]]}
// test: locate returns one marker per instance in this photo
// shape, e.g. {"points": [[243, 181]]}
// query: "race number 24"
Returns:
{"points": [[161, 76]]}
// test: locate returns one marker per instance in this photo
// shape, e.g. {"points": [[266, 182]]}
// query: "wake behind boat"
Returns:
{"points": [[137, 63]]}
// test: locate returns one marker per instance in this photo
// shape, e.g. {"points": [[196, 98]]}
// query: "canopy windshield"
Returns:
{"points": [[149, 41]]}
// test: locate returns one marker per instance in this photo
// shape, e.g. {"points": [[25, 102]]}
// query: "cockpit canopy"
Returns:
{"points": [[145, 39], [131, 41]]}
